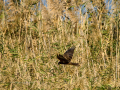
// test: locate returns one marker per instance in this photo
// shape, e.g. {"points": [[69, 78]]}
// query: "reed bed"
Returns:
{"points": [[32, 34]]}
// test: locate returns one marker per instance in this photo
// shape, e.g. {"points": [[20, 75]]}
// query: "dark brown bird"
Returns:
{"points": [[67, 56]]}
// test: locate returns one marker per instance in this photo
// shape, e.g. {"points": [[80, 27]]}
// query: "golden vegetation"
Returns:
{"points": [[32, 34]]}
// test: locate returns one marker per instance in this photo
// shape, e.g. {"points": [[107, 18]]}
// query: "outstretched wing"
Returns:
{"points": [[62, 59], [69, 53]]}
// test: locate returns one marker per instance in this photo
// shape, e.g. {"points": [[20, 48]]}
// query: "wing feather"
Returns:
{"points": [[69, 53]]}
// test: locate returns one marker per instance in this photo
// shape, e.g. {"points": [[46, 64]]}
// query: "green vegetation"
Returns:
{"points": [[31, 35]]}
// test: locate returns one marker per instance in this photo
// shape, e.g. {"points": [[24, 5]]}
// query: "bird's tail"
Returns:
{"points": [[76, 64]]}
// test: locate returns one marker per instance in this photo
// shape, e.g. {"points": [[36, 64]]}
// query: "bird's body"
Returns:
{"points": [[66, 57]]}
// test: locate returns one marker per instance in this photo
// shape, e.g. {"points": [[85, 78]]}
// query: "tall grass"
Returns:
{"points": [[31, 35]]}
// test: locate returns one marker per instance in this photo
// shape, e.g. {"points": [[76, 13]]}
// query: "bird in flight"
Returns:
{"points": [[66, 57]]}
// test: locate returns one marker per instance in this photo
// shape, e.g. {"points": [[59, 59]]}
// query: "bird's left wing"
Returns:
{"points": [[69, 53]]}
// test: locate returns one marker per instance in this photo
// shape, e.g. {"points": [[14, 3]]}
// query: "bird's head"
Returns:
{"points": [[58, 63]]}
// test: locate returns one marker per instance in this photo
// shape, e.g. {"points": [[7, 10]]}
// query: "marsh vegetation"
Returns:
{"points": [[32, 34]]}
